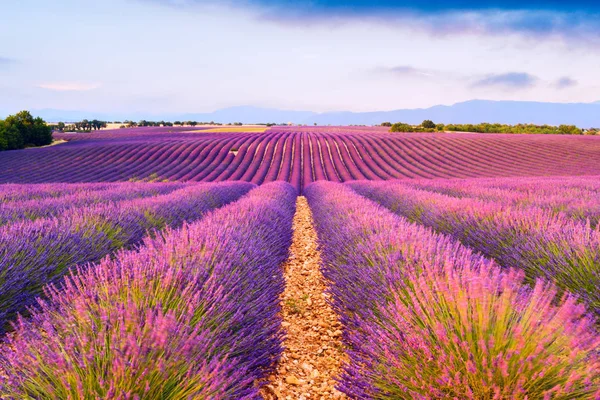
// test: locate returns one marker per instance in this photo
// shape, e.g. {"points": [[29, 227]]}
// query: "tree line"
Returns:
{"points": [[430, 126], [23, 130]]}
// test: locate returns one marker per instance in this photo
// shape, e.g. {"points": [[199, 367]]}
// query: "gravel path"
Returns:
{"points": [[313, 350]]}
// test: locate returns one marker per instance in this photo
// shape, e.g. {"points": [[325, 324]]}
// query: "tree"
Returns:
{"points": [[401, 127], [10, 137], [570, 130], [388, 124], [22, 130], [61, 126], [33, 131], [428, 124]]}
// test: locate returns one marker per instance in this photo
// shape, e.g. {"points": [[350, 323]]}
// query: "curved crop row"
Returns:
{"points": [[35, 253], [576, 197], [298, 155], [424, 317], [48, 207], [23, 192], [193, 314], [537, 241]]}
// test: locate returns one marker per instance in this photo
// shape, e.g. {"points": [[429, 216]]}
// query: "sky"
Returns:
{"points": [[322, 55]]}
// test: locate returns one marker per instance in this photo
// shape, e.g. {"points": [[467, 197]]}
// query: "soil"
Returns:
{"points": [[313, 349]]}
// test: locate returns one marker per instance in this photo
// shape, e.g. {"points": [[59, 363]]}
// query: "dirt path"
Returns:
{"points": [[313, 350]]}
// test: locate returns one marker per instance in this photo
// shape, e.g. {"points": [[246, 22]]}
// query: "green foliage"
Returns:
{"points": [[519, 128], [402, 127], [87, 126], [22, 130], [428, 124], [570, 130], [388, 124]]}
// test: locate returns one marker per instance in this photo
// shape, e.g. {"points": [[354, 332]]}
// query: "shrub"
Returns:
{"points": [[401, 127]]}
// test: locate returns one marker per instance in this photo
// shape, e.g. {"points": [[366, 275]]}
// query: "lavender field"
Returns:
{"points": [[298, 155], [156, 263]]}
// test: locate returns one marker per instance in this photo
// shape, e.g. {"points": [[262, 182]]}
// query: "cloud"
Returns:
{"points": [[510, 80], [565, 82], [5, 61], [348, 6], [69, 86], [404, 71], [574, 19]]}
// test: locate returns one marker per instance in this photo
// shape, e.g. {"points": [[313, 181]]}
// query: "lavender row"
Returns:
{"points": [[424, 317], [34, 253], [537, 241], [23, 192], [577, 197], [49, 207], [190, 315]]}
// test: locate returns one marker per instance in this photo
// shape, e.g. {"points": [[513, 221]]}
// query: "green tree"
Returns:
{"points": [[10, 137], [428, 124], [401, 127], [32, 131], [22, 130], [570, 130]]}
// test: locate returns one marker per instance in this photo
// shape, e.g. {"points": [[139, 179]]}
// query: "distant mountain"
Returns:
{"points": [[474, 111], [246, 114]]}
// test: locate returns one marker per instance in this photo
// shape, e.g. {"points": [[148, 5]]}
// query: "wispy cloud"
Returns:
{"points": [[404, 71], [69, 86], [5, 61], [510, 80], [565, 82]]}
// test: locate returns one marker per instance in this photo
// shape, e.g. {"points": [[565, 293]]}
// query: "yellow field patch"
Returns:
{"points": [[54, 143], [250, 129]]}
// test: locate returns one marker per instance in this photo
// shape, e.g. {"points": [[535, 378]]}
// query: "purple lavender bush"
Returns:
{"points": [[539, 242], [34, 253], [576, 197], [54, 206], [22, 192], [193, 314], [426, 318]]}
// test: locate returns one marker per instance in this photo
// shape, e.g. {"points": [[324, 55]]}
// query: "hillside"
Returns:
{"points": [[297, 155]]}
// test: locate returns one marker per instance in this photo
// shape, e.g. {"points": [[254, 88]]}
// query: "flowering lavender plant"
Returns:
{"points": [[539, 242], [426, 318], [34, 253], [191, 314]]}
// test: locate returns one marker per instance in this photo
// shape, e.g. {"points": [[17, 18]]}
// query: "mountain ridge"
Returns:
{"points": [[471, 111]]}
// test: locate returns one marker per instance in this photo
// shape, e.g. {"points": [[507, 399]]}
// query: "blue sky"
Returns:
{"points": [[201, 55]]}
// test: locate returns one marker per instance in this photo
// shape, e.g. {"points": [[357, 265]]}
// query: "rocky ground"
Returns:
{"points": [[313, 349]]}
